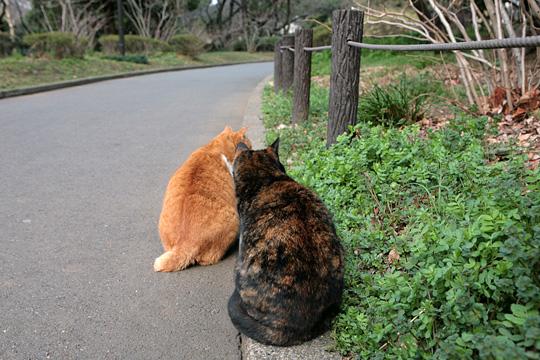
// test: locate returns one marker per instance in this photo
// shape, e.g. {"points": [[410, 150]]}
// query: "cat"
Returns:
{"points": [[289, 270], [198, 221]]}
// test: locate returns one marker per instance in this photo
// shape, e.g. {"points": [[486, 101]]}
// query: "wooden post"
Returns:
{"points": [[302, 75], [277, 67], [347, 25], [287, 65]]}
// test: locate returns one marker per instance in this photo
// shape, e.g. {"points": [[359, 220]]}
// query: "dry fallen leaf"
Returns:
{"points": [[519, 113], [392, 257]]}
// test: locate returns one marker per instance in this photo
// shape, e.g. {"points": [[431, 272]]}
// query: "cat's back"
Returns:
{"points": [[201, 182], [292, 207], [291, 233], [202, 168]]}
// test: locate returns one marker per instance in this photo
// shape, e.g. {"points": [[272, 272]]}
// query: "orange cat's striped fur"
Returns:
{"points": [[199, 220]]}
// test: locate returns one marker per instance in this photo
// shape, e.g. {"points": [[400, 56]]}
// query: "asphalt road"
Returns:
{"points": [[82, 176]]}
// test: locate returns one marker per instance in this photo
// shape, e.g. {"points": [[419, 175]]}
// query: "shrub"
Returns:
{"points": [[134, 44], [6, 44], [238, 45], [56, 44], [187, 44], [322, 36], [394, 105], [267, 43], [109, 44], [137, 59]]}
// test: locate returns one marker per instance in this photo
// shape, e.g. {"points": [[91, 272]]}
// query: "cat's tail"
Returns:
{"points": [[172, 261], [258, 331]]}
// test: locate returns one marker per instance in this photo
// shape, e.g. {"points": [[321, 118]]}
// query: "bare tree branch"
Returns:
{"points": [[155, 18], [496, 68]]}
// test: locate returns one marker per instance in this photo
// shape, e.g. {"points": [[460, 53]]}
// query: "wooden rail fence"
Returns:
{"points": [[292, 66], [292, 69]]}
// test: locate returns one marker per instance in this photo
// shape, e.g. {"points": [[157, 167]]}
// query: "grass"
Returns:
{"points": [[442, 243], [378, 58], [17, 71]]}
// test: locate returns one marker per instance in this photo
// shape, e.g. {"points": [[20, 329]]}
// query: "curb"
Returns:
{"points": [[253, 116], [250, 349], [69, 83]]}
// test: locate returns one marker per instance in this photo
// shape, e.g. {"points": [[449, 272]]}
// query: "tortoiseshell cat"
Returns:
{"points": [[289, 272]]}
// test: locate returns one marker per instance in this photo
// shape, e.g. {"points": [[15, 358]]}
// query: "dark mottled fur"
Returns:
{"points": [[289, 273]]}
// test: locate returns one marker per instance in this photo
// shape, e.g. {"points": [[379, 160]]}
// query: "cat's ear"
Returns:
{"points": [[227, 129], [241, 147], [241, 137], [275, 146]]}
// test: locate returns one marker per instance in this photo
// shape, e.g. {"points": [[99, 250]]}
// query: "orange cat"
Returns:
{"points": [[199, 221]]}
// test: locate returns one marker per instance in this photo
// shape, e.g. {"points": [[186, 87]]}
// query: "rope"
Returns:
{"points": [[529, 41], [318, 48], [518, 42]]}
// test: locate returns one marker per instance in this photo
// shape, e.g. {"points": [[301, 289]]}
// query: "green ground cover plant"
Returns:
{"points": [[442, 242], [137, 59]]}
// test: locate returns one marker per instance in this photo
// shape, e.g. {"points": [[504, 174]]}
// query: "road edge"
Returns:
{"points": [[253, 116], [4, 94], [315, 349]]}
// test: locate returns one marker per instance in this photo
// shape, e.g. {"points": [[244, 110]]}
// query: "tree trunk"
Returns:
{"points": [[10, 17]]}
